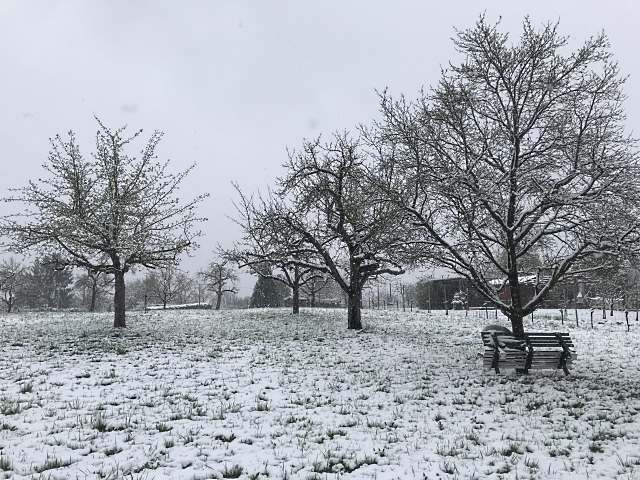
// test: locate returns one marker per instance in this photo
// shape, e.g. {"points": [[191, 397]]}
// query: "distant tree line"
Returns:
{"points": [[44, 285]]}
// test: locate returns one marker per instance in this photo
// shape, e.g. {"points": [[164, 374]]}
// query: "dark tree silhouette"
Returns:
{"points": [[166, 284], [338, 214], [268, 245], [219, 278], [12, 279]]}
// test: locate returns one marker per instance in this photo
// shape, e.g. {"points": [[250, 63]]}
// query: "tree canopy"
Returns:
{"points": [[108, 213], [519, 150]]}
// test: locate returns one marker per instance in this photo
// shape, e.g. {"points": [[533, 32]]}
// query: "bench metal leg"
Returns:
{"points": [[496, 353], [565, 354]]}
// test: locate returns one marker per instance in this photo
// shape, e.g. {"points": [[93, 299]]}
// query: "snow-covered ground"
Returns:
{"points": [[263, 394]]}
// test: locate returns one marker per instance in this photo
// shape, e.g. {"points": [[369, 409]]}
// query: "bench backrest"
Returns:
{"points": [[545, 339], [534, 339]]}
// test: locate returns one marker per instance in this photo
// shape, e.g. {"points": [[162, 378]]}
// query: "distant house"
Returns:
{"points": [[459, 294]]}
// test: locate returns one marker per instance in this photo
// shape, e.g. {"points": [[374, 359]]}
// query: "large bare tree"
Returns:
{"points": [[327, 199], [109, 214], [519, 149], [271, 249]]}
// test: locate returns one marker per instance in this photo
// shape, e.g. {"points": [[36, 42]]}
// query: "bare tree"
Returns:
{"points": [[220, 278], [316, 283], [613, 281], [167, 284], [519, 149], [12, 278], [107, 214], [97, 284], [328, 201], [188, 292], [269, 244]]}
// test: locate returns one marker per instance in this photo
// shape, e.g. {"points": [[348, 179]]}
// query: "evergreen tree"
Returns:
{"points": [[47, 286], [268, 292]]}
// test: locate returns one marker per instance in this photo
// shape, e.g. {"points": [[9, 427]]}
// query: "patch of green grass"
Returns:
{"points": [[234, 472], [9, 407], [595, 448], [112, 450], [5, 463], [375, 423], [6, 426], [534, 405], [352, 422], [99, 423], [26, 387], [531, 463], [225, 438], [52, 462], [449, 467], [556, 452], [474, 438], [511, 448], [332, 433], [163, 427]]}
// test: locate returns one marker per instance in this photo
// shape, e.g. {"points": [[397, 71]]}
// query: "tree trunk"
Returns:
{"points": [[119, 300], [295, 290], [218, 298], [296, 298], [94, 294], [354, 311], [517, 325], [515, 315], [354, 297]]}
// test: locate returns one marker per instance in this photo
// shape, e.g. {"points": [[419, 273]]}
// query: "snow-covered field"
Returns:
{"points": [[263, 394]]}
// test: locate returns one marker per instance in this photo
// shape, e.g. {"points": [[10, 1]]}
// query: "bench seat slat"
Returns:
{"points": [[545, 334]]}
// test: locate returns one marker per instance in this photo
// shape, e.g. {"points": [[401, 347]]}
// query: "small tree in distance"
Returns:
{"points": [[47, 284], [96, 284], [268, 245], [166, 284], [12, 279], [219, 278], [107, 214], [268, 292]]}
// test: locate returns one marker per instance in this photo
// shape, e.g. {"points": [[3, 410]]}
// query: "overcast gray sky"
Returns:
{"points": [[233, 84]]}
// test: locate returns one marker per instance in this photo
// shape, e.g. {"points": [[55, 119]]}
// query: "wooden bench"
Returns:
{"points": [[533, 351]]}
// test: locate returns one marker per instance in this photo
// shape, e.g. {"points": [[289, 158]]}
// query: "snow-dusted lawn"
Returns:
{"points": [[263, 394]]}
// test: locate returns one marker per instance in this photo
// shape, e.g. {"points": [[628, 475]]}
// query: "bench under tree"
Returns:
{"points": [[531, 351]]}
